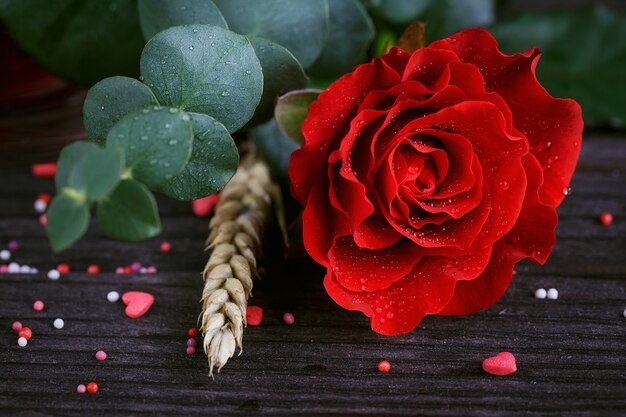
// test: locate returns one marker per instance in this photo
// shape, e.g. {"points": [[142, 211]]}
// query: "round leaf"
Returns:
{"points": [[349, 35], [110, 100], [97, 173], [281, 73], [214, 160], [156, 142], [204, 69], [158, 15], [129, 213], [276, 149], [298, 25], [70, 156], [67, 221], [292, 109], [82, 41]]}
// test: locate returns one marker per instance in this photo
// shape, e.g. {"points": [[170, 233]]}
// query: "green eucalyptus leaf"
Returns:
{"points": [[275, 148], [158, 15], [97, 173], [79, 40], [584, 57], [129, 213], [399, 11], [110, 100], [298, 25], [281, 73], [204, 69], [156, 143], [292, 109], [214, 160], [68, 220], [69, 157], [349, 35]]}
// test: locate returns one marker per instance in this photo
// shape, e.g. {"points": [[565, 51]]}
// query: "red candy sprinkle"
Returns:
{"points": [[289, 319], [502, 364], [166, 247], [384, 366], [192, 332], [47, 170], [38, 305], [254, 315], [605, 218], [63, 268], [204, 206], [92, 387], [93, 269], [25, 332], [44, 197]]}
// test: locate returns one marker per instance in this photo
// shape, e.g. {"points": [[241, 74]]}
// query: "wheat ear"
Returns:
{"points": [[237, 227]]}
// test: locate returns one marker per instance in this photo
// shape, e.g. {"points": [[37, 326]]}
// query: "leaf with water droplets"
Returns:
{"points": [[158, 15], [214, 160], [200, 68], [129, 213], [109, 101], [167, 149], [292, 109], [68, 220]]}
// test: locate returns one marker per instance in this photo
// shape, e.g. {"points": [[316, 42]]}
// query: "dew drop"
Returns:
{"points": [[168, 125], [145, 111], [225, 93], [144, 138], [504, 185], [173, 110], [191, 48], [195, 31], [567, 190], [133, 147], [173, 142], [152, 162], [101, 107], [186, 117]]}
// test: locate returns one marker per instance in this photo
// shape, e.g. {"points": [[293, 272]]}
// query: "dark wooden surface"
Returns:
{"points": [[571, 352]]}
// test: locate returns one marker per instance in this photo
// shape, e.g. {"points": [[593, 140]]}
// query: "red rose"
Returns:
{"points": [[426, 177]]}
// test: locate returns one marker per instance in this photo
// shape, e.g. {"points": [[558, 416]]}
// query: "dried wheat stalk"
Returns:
{"points": [[236, 231]]}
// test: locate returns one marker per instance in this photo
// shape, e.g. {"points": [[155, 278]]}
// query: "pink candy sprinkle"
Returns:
{"points": [[4, 269], [166, 247], [191, 342], [101, 355], [16, 326], [43, 219], [38, 305], [191, 350], [119, 270], [135, 266], [205, 206], [151, 269], [289, 319], [81, 389], [13, 245]]}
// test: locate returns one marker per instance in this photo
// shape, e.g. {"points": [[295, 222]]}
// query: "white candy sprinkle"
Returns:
{"points": [[143, 270], [59, 323], [34, 271], [113, 296], [53, 274], [40, 206], [13, 268], [22, 342], [553, 294], [5, 255], [25, 269], [540, 293], [624, 312]]}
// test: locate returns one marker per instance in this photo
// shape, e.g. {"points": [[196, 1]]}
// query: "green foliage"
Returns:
{"points": [[584, 57], [298, 25], [71, 155], [67, 221], [129, 213], [275, 148], [158, 15], [79, 40], [291, 110], [110, 100], [204, 69], [97, 173]]}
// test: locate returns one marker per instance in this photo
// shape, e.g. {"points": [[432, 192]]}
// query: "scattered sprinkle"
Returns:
{"points": [[540, 293], [191, 350], [384, 366], [58, 324], [5, 255], [135, 266], [192, 342], [16, 326], [92, 387], [81, 389], [40, 206], [502, 364], [46, 170], [4, 269], [289, 319], [553, 294], [119, 270], [93, 269], [13, 268], [25, 332], [24, 269], [205, 206], [192, 332], [605, 218], [151, 269], [624, 312], [101, 355], [43, 220], [254, 315], [22, 342], [137, 303], [13, 245], [38, 305], [54, 274], [113, 296], [166, 247], [44, 197], [63, 268]]}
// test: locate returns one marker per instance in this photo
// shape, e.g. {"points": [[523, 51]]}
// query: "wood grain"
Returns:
{"points": [[571, 352]]}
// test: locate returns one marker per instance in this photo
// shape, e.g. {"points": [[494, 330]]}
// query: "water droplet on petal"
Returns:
{"points": [[567, 190]]}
